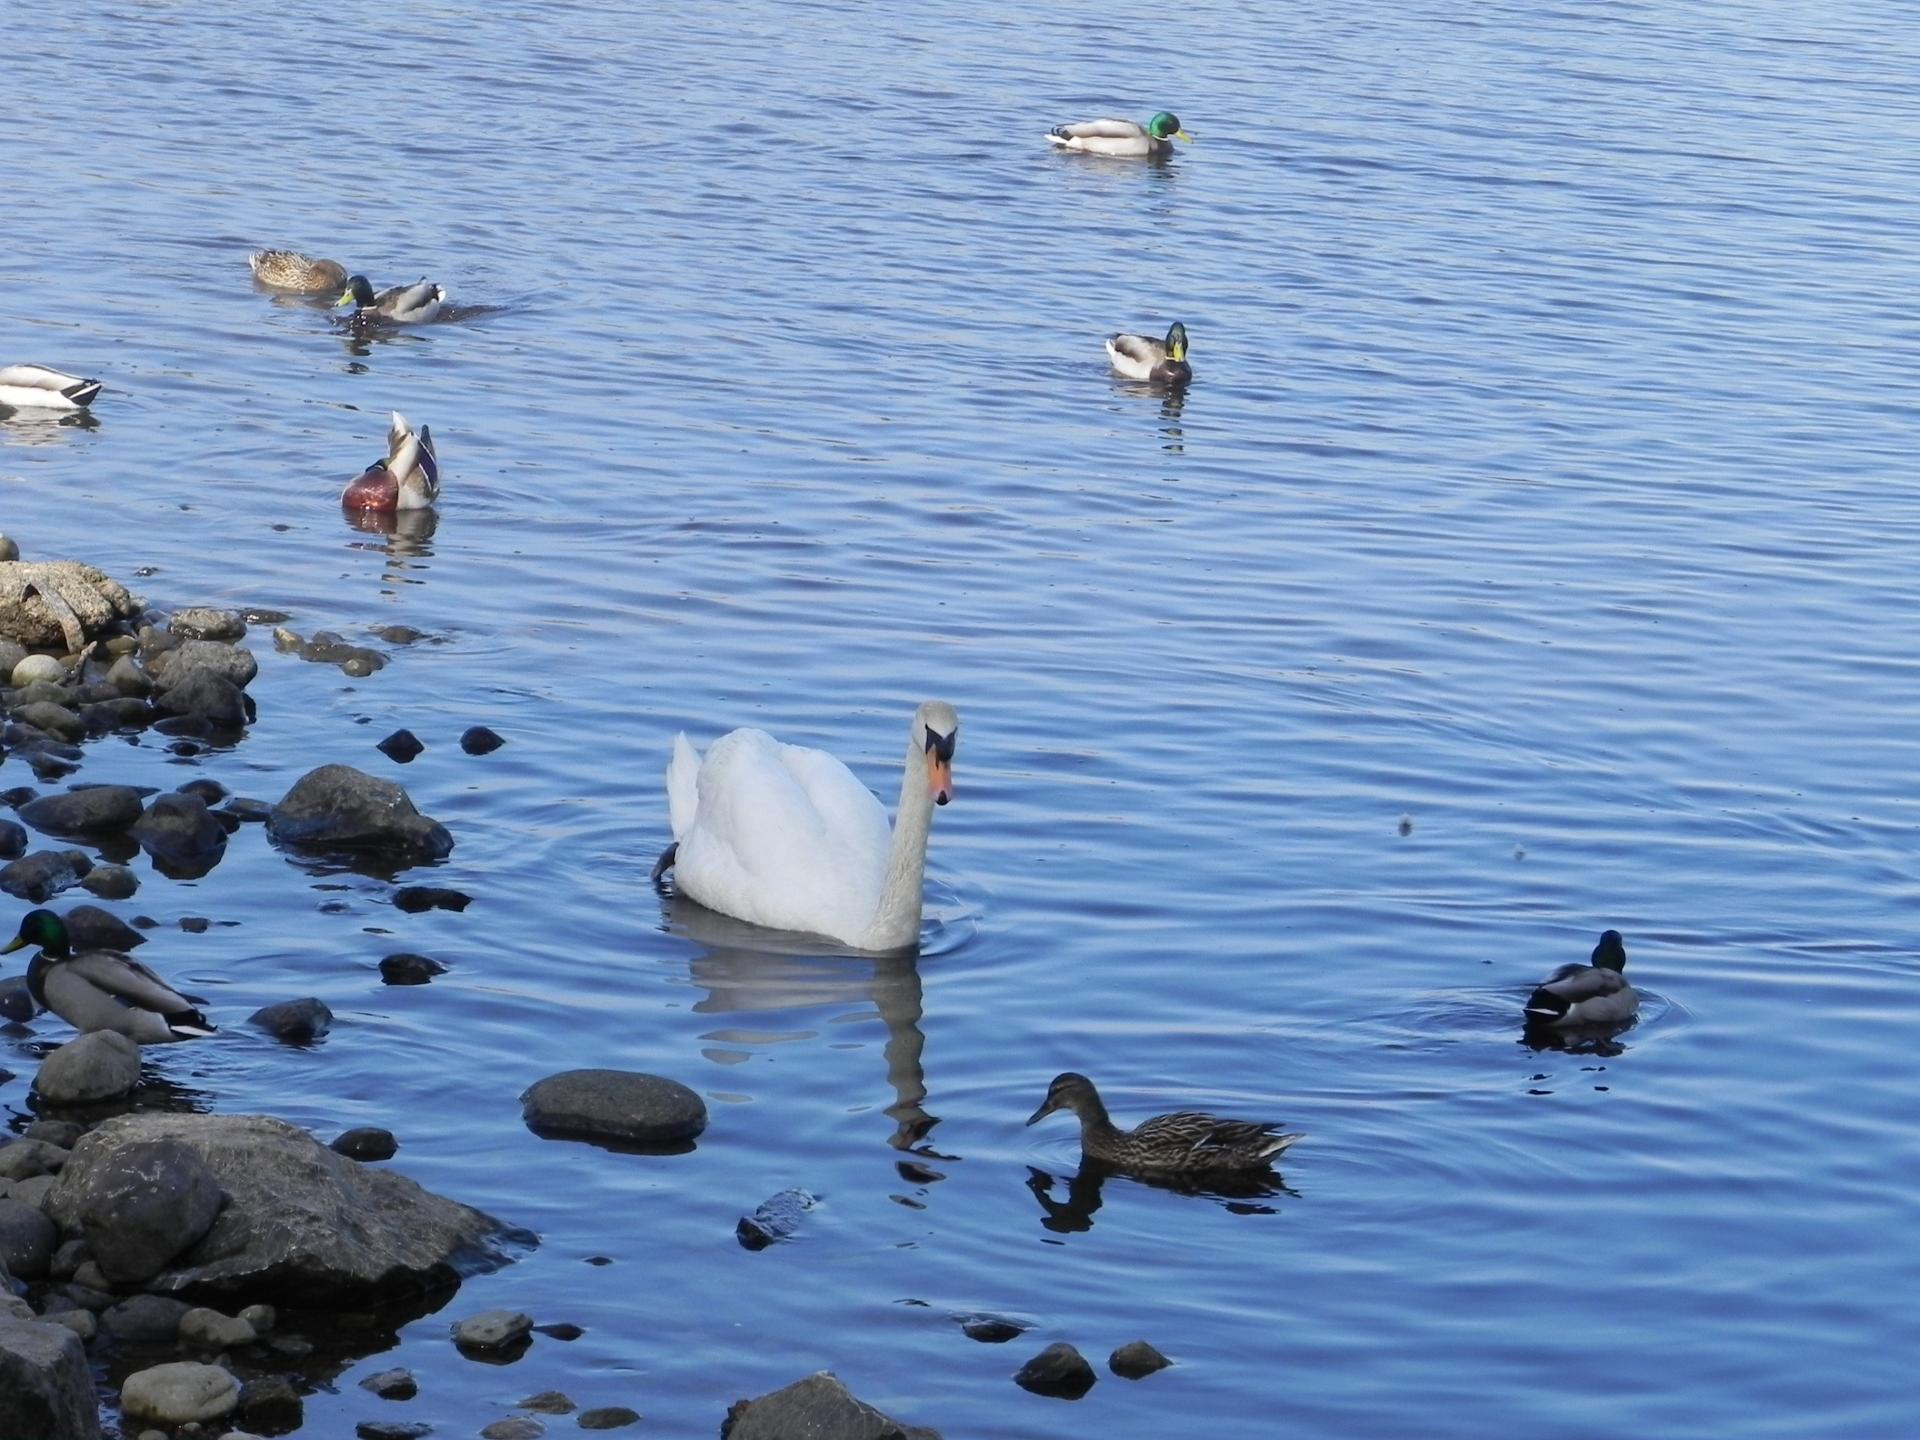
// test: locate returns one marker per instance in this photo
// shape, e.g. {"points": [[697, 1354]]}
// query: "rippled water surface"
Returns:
{"points": [[1547, 481]]}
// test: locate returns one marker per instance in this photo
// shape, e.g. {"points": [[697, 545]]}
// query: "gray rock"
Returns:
{"points": [[261, 1317], [111, 882], [179, 1393], [126, 676], [415, 899], [33, 1190], [27, 1238], [514, 1427], [88, 1277], [12, 652], [38, 877], [210, 1330], [138, 1209], [54, 720], [126, 713], [42, 690], [405, 969], [492, 1330], [775, 1218], [144, 1320], [402, 747], [23, 1159], [392, 1385], [340, 808], [364, 1142], [549, 1402], [16, 1000], [209, 697], [298, 1020], [15, 1307], [618, 1105], [91, 928], [45, 1386], [1059, 1370], [479, 740], [270, 1404], [88, 601], [618, 1417], [1136, 1360], [302, 1225], [991, 1329], [184, 840], [392, 1429], [36, 669], [818, 1408], [91, 810], [71, 1255], [202, 622], [247, 811], [13, 839], [190, 657], [83, 1323], [64, 1133], [100, 1065]]}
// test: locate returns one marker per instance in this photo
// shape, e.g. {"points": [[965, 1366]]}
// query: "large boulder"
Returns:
{"points": [[59, 602], [45, 1386], [340, 808], [143, 1205], [301, 1226], [191, 657], [179, 1393], [819, 1408]]}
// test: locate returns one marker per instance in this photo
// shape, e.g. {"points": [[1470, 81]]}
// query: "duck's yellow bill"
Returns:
{"points": [[17, 943], [1183, 135]]}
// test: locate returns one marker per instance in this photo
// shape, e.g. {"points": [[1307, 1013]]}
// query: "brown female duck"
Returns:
{"points": [[1186, 1142]]}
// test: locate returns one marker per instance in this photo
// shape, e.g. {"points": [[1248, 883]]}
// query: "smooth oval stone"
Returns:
{"points": [[618, 1105]]}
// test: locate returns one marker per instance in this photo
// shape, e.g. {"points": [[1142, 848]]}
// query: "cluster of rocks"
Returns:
{"points": [[1062, 1372], [186, 1231]]}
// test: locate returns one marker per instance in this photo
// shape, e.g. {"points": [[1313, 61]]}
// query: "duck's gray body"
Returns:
{"points": [[1595, 994], [105, 990]]}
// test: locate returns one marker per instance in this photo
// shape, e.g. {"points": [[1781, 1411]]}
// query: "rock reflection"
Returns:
{"points": [[743, 977], [1072, 1214]]}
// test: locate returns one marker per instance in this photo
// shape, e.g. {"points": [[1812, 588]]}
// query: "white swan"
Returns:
{"points": [[40, 387], [784, 836]]}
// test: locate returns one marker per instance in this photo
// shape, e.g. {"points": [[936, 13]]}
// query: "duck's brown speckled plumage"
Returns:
{"points": [[1186, 1142]]}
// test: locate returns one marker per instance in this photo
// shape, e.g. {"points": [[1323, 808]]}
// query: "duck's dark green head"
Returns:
{"points": [[1176, 341], [1068, 1091], [1611, 952], [42, 928], [359, 292], [1166, 125]]}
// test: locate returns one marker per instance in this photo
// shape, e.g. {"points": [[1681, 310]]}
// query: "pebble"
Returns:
{"points": [[366, 1142], [1059, 1370], [111, 882], [392, 1429], [126, 676], [479, 740], [517, 1427], [560, 1330], [9, 548], [405, 969], [608, 1417], [180, 1392], [13, 839], [81, 1322], [38, 667], [271, 1403], [413, 899], [203, 623], [392, 1385], [401, 747], [991, 1329], [549, 1402], [261, 1317], [102, 1065], [247, 811], [619, 1105], [492, 1330], [295, 1020], [214, 1331], [1136, 1360]]}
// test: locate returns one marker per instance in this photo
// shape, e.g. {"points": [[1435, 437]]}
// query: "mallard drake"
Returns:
{"points": [[44, 388], [1593, 994], [788, 837], [1121, 137], [1188, 1141], [102, 989], [1159, 362], [412, 304], [408, 479], [300, 274]]}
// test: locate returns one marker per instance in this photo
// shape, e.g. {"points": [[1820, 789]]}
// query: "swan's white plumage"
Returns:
{"points": [[780, 835]]}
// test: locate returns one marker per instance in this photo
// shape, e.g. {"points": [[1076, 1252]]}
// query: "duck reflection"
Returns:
{"points": [[1072, 1214], [743, 977], [1575, 1039], [43, 427], [409, 538]]}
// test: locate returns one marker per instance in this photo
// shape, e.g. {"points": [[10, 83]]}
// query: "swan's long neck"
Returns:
{"points": [[896, 922]]}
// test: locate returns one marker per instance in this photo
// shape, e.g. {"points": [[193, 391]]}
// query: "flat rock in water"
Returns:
{"points": [[415, 898], [100, 1065], [210, 1330], [111, 882], [94, 810], [46, 1388], [366, 1142], [819, 1408], [301, 1225], [392, 1385], [492, 1330], [1136, 1360], [775, 1218], [181, 835], [340, 808], [617, 1105], [38, 877], [91, 928], [144, 1205], [479, 740], [991, 1329], [549, 1402], [406, 969], [392, 1429], [514, 1427], [213, 657], [179, 1393], [304, 1019], [1059, 1370], [202, 622], [608, 1417], [27, 1238]]}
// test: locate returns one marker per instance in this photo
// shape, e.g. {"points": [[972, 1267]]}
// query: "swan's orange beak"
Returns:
{"points": [[939, 778]]}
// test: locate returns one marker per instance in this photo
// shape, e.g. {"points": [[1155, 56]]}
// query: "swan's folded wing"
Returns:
{"points": [[853, 817], [683, 786], [1101, 130]]}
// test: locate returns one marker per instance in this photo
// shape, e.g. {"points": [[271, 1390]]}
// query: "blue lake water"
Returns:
{"points": [[1546, 481]]}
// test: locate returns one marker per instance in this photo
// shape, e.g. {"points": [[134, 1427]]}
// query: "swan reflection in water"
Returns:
{"points": [[743, 975], [1072, 1214]]}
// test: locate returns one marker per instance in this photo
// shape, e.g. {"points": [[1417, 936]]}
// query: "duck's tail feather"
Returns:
{"points": [[190, 1025], [1278, 1143]]}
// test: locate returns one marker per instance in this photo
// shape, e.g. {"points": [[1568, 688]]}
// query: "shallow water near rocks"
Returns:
{"points": [[1546, 481]]}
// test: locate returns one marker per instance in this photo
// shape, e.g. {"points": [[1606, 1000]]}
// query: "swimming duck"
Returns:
{"points": [[44, 388], [1594, 994], [412, 304], [301, 274], [1159, 362], [102, 989], [1121, 137], [784, 836], [1187, 1141], [408, 479]]}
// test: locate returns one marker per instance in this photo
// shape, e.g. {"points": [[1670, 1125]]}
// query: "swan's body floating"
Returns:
{"points": [[408, 479], [39, 387], [1121, 137], [413, 304], [1186, 1142], [786, 837], [102, 989], [1159, 362], [298, 274], [1596, 994]]}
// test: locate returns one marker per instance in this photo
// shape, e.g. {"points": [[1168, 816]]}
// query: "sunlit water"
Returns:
{"points": [[1546, 481]]}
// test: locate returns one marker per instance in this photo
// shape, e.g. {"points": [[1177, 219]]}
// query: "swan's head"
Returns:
{"points": [[936, 727], [1071, 1091]]}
